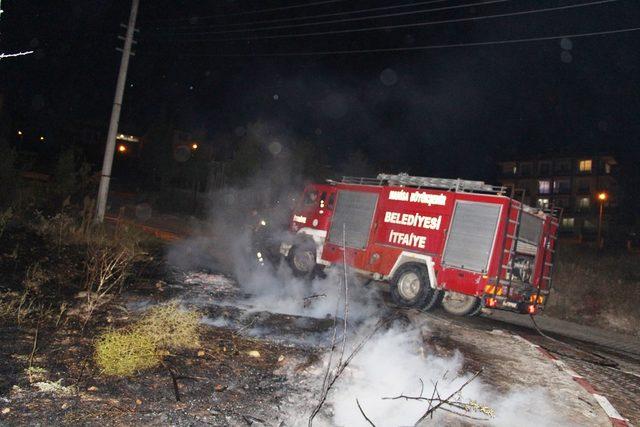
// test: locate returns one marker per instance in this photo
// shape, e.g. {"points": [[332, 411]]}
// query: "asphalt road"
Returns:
{"points": [[584, 350]]}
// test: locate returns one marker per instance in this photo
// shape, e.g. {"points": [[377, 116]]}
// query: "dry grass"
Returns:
{"points": [[170, 327], [22, 306], [597, 288], [107, 269], [125, 353], [143, 344], [5, 217]]}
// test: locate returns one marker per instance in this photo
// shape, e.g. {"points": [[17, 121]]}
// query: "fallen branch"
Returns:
{"points": [[244, 327], [364, 415], [250, 419], [442, 402], [174, 380], [306, 302], [437, 402]]}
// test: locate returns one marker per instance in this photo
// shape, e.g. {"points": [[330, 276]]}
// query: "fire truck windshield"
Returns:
{"points": [[310, 197]]}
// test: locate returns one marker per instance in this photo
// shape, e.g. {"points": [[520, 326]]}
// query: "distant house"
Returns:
{"points": [[571, 183]]}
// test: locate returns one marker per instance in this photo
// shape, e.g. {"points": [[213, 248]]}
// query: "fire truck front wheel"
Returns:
{"points": [[302, 259], [460, 304], [410, 287]]}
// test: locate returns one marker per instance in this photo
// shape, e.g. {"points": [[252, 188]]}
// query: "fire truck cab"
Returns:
{"points": [[463, 243]]}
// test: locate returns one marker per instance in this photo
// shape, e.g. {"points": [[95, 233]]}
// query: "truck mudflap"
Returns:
{"points": [[522, 298]]}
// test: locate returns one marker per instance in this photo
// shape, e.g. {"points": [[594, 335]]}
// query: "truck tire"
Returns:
{"points": [[460, 304], [410, 287], [477, 311], [302, 259]]}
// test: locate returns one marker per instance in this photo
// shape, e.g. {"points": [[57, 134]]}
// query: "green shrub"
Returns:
{"points": [[124, 353]]}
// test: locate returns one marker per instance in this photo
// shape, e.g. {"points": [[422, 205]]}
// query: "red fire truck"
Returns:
{"points": [[465, 244]]}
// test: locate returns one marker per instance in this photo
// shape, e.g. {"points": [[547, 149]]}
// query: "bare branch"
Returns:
{"points": [[364, 415], [344, 365], [433, 394], [326, 386], [442, 402], [346, 293]]}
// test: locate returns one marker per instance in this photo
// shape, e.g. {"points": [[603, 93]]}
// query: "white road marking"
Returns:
{"points": [[607, 406]]}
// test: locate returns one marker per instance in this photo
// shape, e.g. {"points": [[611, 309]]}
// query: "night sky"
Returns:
{"points": [[442, 112]]}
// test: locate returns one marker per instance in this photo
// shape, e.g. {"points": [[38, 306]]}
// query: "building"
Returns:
{"points": [[570, 183]]}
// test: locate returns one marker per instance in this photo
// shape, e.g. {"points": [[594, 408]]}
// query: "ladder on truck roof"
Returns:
{"points": [[403, 179]]}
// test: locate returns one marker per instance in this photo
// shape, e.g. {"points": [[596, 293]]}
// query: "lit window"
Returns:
{"points": [[544, 187], [568, 222], [607, 168], [583, 203], [584, 166], [543, 203]]}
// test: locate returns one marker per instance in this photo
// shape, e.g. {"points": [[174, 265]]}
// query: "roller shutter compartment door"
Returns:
{"points": [[471, 235], [355, 210]]}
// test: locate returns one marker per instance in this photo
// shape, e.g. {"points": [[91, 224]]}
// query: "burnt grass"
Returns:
{"points": [[219, 383]]}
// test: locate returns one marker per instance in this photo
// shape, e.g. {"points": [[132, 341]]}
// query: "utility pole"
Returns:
{"points": [[109, 151]]}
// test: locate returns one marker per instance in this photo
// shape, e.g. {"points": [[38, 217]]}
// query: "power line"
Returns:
{"points": [[249, 12], [324, 15], [337, 21], [419, 48], [13, 55], [416, 24]]}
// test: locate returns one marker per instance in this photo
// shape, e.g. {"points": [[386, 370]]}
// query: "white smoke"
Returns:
{"points": [[277, 290], [391, 364], [395, 362]]}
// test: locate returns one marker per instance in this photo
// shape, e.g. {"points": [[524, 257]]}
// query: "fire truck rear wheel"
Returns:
{"points": [[460, 304], [410, 287]]}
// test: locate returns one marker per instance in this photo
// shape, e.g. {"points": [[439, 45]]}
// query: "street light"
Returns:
{"points": [[122, 148], [602, 197], [194, 146]]}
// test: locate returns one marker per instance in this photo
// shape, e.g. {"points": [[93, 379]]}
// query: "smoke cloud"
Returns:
{"points": [[393, 363]]}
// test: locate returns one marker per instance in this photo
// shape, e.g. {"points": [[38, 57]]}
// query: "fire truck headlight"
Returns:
{"points": [[263, 222]]}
